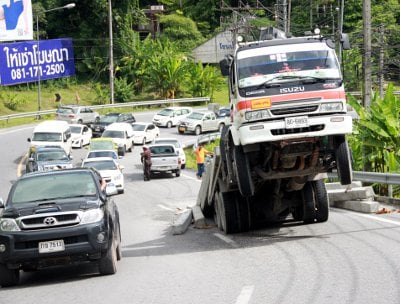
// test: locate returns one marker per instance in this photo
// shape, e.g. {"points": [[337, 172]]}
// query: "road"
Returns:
{"points": [[352, 258]]}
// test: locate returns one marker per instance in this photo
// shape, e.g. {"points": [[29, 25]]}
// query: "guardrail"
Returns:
{"points": [[389, 179], [114, 105]]}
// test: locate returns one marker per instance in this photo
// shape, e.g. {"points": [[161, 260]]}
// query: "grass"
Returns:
{"points": [[191, 157]]}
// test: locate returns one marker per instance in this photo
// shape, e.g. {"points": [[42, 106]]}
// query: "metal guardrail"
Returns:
{"points": [[373, 177], [115, 105]]}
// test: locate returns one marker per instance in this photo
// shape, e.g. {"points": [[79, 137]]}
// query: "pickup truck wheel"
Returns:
{"points": [[343, 161], [8, 277], [221, 127], [108, 263], [309, 203], [169, 124], [197, 130], [178, 173], [228, 212], [322, 204], [242, 172]]}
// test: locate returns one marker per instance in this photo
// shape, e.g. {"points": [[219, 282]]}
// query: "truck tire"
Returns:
{"points": [[322, 203], [108, 263], [217, 208], [242, 172], [197, 130], [221, 127], [243, 211], [8, 277], [228, 213], [343, 161], [309, 203]]}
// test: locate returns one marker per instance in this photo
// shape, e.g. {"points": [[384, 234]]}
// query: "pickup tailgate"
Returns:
{"points": [[164, 158]]}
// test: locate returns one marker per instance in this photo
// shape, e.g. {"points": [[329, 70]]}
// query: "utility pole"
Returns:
{"points": [[111, 63], [367, 87], [381, 60]]}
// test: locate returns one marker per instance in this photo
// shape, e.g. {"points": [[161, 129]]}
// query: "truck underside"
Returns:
{"points": [[265, 182]]}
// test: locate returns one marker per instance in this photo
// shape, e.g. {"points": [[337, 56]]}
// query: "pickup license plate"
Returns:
{"points": [[51, 246], [296, 122]]}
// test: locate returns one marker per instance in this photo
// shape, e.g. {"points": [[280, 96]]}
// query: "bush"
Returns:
{"points": [[11, 101]]}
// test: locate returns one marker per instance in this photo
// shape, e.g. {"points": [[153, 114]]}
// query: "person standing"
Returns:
{"points": [[200, 156], [145, 158]]}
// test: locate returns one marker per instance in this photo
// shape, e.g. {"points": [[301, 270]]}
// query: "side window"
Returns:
{"points": [[232, 78], [85, 129], [151, 127]]}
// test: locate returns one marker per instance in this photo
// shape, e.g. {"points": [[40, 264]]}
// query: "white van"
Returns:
{"points": [[52, 133], [122, 134], [170, 117]]}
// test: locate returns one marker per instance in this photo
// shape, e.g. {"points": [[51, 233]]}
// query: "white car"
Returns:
{"points": [[81, 135], [144, 132], [170, 117], [109, 169], [178, 147], [122, 135]]}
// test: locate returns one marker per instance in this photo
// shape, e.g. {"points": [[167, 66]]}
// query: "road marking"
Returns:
{"points": [[245, 295], [165, 208], [191, 177], [227, 240], [379, 219]]}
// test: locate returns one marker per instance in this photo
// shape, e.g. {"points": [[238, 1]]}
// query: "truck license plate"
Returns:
{"points": [[296, 122], [51, 246]]}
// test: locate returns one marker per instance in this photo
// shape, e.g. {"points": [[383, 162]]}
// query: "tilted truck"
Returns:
{"points": [[289, 126]]}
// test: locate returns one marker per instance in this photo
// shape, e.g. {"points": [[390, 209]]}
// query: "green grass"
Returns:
{"points": [[191, 157]]}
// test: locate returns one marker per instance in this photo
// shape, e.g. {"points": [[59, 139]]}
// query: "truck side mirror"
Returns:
{"points": [[224, 66], [345, 41]]}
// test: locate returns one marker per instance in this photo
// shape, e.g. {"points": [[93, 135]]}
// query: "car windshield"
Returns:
{"points": [[196, 116], [53, 186], [276, 64], [94, 154], [113, 134], [101, 165], [75, 129], [52, 155], [109, 119], [66, 110], [137, 127], [46, 136], [102, 145], [166, 112], [162, 150]]}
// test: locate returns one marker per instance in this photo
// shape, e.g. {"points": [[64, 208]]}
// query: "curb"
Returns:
{"points": [[181, 222]]}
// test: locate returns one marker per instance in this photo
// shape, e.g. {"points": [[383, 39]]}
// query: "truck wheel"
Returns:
{"points": [[228, 212], [309, 203], [108, 263], [197, 130], [8, 277], [243, 210], [322, 203], [242, 172], [221, 127], [119, 252], [169, 124], [343, 161], [217, 208]]}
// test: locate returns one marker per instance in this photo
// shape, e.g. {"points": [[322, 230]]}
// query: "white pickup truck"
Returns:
{"points": [[165, 159], [202, 121]]}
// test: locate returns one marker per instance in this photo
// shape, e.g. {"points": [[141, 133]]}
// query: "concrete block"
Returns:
{"points": [[364, 206], [361, 193], [333, 186], [182, 221], [198, 216]]}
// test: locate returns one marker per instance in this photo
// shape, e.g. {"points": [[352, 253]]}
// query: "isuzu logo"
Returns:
{"points": [[292, 89], [49, 221]]}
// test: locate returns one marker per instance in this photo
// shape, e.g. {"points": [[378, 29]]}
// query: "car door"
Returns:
{"points": [[208, 122], [86, 135], [150, 133]]}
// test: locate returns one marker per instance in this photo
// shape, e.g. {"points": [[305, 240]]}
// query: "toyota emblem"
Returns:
{"points": [[49, 221]]}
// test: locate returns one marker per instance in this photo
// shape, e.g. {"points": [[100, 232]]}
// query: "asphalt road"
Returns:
{"points": [[352, 258]]}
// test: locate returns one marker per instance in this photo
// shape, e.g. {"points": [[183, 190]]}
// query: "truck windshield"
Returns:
{"points": [[269, 64]]}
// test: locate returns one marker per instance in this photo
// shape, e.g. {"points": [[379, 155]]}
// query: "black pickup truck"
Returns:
{"points": [[60, 217]]}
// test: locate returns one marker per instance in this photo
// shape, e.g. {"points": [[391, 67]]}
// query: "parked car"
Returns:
{"points": [[81, 135], [99, 126], [202, 121], [102, 153], [122, 134], [75, 114], [178, 147], [109, 169], [56, 217], [170, 116], [45, 158], [165, 159], [144, 132]]}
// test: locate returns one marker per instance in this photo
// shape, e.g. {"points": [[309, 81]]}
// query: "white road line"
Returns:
{"points": [[165, 207], [245, 295], [191, 177], [227, 240], [379, 219]]}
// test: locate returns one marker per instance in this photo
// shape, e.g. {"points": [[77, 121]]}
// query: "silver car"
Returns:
{"points": [[74, 114]]}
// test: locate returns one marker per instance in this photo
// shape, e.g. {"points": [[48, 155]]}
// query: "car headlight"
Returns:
{"points": [[92, 216], [8, 224], [332, 107], [257, 115]]}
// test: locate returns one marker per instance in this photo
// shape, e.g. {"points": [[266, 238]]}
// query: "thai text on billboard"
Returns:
{"points": [[33, 60]]}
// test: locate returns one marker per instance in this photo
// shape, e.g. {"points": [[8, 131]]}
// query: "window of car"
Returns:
{"points": [[138, 127], [101, 165], [113, 134]]}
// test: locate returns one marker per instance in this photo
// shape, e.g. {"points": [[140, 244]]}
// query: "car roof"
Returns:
{"points": [[165, 139], [119, 126], [54, 172], [97, 159], [114, 114], [46, 148]]}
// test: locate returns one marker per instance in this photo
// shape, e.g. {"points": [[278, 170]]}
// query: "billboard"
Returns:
{"points": [[16, 20], [33, 60]]}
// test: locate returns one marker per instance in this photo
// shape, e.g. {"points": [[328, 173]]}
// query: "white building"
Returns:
{"points": [[215, 49]]}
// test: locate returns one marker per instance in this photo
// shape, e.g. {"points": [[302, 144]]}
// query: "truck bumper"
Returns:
{"points": [[269, 131]]}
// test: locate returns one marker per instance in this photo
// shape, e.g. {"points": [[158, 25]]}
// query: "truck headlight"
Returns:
{"points": [[332, 107], [257, 115], [92, 216], [8, 224]]}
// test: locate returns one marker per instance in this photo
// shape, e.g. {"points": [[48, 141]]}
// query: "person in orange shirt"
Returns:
{"points": [[200, 156]]}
